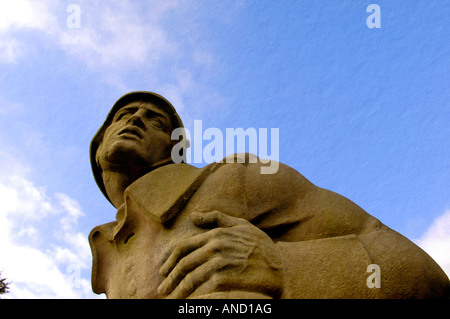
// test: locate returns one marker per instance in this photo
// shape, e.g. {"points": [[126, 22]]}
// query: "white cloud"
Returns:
{"points": [[23, 13], [111, 36], [436, 241], [10, 49], [17, 15], [73, 210], [42, 253], [115, 39]]}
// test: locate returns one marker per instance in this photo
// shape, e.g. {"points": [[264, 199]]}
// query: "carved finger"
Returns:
{"points": [[183, 267], [216, 219], [181, 249], [187, 264], [197, 277], [186, 246]]}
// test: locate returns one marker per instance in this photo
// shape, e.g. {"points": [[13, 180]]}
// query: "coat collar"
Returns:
{"points": [[162, 193]]}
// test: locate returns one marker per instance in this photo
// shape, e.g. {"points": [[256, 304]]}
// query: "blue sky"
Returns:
{"points": [[363, 112]]}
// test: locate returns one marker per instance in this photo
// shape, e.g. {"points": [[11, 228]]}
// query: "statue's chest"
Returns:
{"points": [[143, 244]]}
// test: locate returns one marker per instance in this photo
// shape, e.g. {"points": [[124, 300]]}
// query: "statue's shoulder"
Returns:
{"points": [[263, 171]]}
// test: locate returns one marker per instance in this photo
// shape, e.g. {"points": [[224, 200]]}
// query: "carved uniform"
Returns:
{"points": [[326, 241]]}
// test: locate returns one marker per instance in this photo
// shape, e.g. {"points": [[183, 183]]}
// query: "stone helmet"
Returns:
{"points": [[145, 96]]}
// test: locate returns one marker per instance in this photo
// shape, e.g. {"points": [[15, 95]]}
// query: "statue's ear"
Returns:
{"points": [[97, 160]]}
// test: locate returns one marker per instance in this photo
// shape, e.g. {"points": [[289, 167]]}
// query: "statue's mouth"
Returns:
{"points": [[131, 131]]}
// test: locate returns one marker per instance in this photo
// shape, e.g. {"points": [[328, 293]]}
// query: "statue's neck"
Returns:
{"points": [[117, 180], [115, 184]]}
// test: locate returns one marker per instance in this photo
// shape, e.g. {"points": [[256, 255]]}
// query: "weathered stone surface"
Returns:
{"points": [[228, 231]]}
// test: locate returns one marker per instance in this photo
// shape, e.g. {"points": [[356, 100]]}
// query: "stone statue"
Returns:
{"points": [[227, 231]]}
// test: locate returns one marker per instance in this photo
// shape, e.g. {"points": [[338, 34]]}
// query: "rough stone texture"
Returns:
{"points": [[227, 231]]}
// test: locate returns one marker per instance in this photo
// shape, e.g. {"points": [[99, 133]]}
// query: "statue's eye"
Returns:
{"points": [[121, 115], [156, 123]]}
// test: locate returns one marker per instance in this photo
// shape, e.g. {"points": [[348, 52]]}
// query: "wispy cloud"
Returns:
{"points": [[118, 35], [17, 16], [115, 40], [436, 241], [42, 254], [112, 36]]}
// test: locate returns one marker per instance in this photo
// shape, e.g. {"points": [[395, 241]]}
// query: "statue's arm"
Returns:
{"points": [[328, 244], [377, 264]]}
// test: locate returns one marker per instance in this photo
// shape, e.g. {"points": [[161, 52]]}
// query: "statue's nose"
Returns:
{"points": [[136, 120]]}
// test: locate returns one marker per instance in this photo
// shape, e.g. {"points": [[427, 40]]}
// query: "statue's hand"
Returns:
{"points": [[233, 255]]}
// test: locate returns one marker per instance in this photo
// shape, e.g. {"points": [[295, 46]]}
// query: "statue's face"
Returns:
{"points": [[139, 134]]}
